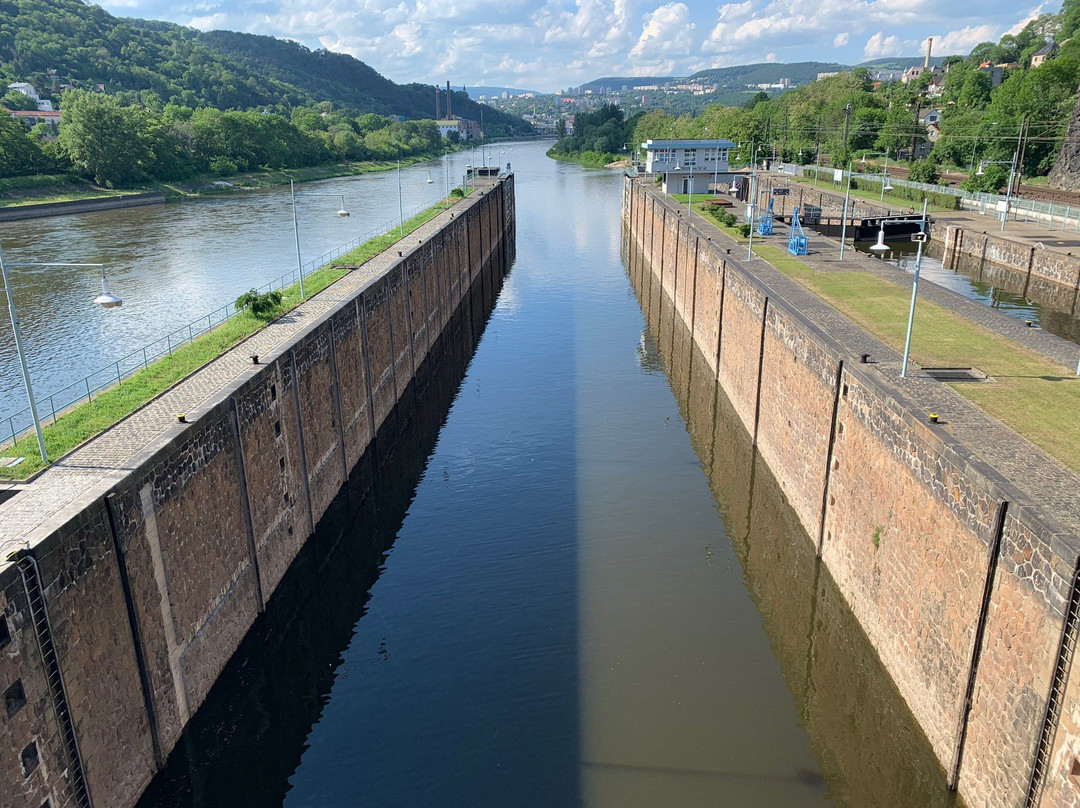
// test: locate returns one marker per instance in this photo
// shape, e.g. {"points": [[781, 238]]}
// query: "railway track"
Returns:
{"points": [[1039, 193]]}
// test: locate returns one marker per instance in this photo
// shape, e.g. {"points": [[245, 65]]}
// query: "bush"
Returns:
{"points": [[924, 171], [263, 306], [744, 229], [222, 166], [457, 192]]}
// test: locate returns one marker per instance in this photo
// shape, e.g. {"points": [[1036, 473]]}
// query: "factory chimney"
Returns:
{"points": [[449, 102], [929, 47]]}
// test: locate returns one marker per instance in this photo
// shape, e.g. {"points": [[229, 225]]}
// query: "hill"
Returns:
{"points": [[496, 92], [900, 62], [59, 43]]}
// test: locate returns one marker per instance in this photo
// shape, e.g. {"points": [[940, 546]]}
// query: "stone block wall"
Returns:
{"points": [[150, 588], [1035, 264], [965, 588]]}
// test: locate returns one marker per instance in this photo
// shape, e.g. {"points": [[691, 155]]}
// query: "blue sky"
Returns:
{"points": [[552, 44]]}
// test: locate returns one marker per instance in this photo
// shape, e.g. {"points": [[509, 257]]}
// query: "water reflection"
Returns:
{"points": [[1049, 305], [247, 739], [869, 750], [173, 263]]}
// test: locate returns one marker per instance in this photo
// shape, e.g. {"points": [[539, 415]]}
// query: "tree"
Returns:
{"points": [[757, 99], [20, 153], [560, 128], [100, 139], [16, 100]]}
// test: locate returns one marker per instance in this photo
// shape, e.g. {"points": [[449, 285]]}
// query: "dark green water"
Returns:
{"points": [[572, 583]]}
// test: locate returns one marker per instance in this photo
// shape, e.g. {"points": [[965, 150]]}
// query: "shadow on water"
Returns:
{"points": [[247, 739], [869, 747]]}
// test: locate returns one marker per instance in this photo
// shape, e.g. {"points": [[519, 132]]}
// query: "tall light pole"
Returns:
{"points": [[1008, 192], [296, 229], [105, 300], [914, 292], [400, 210], [753, 203], [843, 226], [884, 174], [690, 165], [446, 178]]}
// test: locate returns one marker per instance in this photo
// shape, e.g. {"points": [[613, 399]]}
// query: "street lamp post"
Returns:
{"points": [[753, 203], [296, 229], [914, 294], [884, 174], [400, 210], [843, 226], [1008, 192], [105, 300]]}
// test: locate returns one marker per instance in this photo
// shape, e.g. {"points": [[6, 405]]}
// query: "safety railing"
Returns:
{"points": [[56, 403], [1052, 216]]}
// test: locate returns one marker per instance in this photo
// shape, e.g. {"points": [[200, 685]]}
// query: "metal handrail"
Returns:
{"points": [[59, 401], [1026, 210]]}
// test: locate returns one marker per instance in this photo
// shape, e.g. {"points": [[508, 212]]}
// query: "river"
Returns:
{"points": [[174, 263], [573, 584]]}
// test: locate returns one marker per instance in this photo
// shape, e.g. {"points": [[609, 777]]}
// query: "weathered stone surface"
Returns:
{"points": [[910, 515], [268, 434]]}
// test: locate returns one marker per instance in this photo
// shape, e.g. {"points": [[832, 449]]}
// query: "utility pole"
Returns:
{"points": [[847, 121], [915, 127], [1021, 147]]}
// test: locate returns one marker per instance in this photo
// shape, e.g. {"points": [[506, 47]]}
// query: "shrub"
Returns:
{"points": [[744, 229], [457, 192], [263, 306]]}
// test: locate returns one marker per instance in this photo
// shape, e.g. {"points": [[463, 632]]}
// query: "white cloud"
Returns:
{"points": [[548, 44], [965, 39], [667, 33], [880, 45]]}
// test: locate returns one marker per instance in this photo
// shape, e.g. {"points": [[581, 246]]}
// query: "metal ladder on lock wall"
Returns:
{"points": [[39, 619]]}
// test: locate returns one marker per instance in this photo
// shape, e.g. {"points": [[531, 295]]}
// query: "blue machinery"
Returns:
{"points": [[764, 222], [797, 241]]}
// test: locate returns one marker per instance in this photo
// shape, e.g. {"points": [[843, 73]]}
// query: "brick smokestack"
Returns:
{"points": [[437, 103], [449, 102], [929, 48]]}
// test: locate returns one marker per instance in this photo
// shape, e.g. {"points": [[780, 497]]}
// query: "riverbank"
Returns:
{"points": [[183, 530], [588, 159], [56, 189], [84, 421]]}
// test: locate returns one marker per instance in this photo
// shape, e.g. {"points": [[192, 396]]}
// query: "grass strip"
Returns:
{"points": [[1033, 396], [891, 200], [86, 420]]}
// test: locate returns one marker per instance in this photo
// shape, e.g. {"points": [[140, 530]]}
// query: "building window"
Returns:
{"points": [[29, 758], [14, 698]]}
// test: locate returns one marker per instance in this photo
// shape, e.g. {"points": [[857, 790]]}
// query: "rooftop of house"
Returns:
{"points": [[689, 143]]}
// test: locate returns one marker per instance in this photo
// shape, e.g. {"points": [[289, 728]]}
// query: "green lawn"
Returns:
{"points": [[84, 421], [1035, 397]]}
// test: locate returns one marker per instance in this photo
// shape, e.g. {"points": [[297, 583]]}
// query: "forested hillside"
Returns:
{"points": [[53, 43]]}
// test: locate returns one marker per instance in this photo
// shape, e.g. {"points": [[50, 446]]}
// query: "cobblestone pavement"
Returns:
{"points": [[1028, 468], [76, 479]]}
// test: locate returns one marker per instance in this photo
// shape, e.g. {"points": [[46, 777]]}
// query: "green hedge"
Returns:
{"points": [[948, 201]]}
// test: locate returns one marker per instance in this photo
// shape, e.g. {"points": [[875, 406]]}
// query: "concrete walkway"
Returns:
{"points": [[68, 485], [1027, 467]]}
